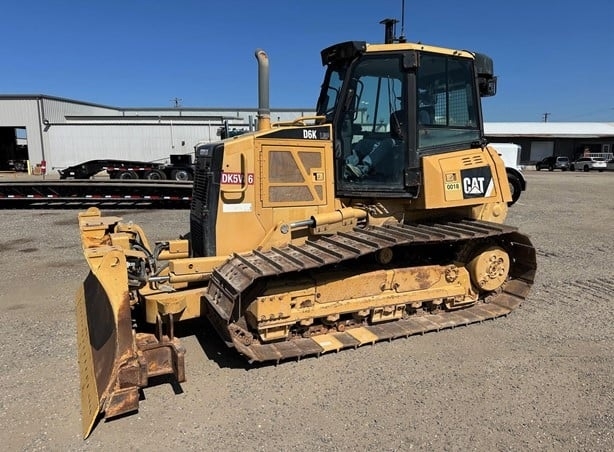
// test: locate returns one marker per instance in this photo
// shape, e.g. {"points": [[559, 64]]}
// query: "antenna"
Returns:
{"points": [[402, 35]]}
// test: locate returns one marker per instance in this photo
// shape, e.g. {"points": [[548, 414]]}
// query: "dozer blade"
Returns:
{"points": [[105, 339], [115, 360]]}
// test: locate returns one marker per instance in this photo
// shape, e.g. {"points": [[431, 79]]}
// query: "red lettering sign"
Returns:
{"points": [[237, 178]]}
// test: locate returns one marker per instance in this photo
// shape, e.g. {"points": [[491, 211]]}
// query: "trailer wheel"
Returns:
{"points": [[181, 175], [155, 175], [128, 175], [515, 188]]}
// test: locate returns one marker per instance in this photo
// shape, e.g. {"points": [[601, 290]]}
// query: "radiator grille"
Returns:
{"points": [[204, 201]]}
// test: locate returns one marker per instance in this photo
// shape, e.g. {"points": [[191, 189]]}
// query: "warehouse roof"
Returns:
{"points": [[550, 129]]}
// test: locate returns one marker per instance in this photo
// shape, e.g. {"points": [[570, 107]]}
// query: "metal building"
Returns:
{"points": [[545, 139], [63, 132]]}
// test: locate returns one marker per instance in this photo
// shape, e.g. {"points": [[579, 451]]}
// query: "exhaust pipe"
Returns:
{"points": [[390, 30], [264, 110]]}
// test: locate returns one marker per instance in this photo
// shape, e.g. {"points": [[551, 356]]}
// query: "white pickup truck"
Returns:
{"points": [[510, 154]]}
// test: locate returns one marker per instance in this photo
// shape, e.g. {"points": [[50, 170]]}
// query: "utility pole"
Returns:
{"points": [[176, 102], [546, 117]]}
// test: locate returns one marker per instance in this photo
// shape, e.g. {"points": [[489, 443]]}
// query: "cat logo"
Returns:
{"points": [[473, 185], [477, 182]]}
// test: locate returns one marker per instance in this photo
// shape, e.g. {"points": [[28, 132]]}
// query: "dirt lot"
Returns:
{"points": [[541, 378]]}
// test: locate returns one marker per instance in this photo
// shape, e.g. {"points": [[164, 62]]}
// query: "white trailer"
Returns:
{"points": [[510, 154]]}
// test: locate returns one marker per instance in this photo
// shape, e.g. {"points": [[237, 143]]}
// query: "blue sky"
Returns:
{"points": [[551, 57]]}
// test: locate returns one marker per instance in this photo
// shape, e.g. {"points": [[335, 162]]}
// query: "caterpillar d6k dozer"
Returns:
{"points": [[382, 216]]}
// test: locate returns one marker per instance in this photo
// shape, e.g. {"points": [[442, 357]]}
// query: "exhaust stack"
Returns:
{"points": [[264, 110], [390, 30]]}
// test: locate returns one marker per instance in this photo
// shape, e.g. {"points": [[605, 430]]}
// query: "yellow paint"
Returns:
{"points": [[362, 335], [328, 342], [90, 405]]}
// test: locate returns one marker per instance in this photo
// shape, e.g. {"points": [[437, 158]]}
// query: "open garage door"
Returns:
{"points": [[13, 149]]}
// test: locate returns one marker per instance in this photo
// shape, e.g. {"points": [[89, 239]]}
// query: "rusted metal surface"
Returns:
{"points": [[232, 281], [113, 361]]}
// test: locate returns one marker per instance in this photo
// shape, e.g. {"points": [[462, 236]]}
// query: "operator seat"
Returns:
{"points": [[392, 160], [425, 116], [382, 159]]}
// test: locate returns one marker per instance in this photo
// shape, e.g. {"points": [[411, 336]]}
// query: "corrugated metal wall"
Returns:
{"points": [[25, 113], [17, 113], [56, 110]]}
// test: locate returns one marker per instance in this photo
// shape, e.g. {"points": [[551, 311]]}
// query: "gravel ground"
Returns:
{"points": [[538, 379]]}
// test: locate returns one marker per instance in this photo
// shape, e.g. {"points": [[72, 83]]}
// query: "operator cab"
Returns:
{"points": [[391, 104]]}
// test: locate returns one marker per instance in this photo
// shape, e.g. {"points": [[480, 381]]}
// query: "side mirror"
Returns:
{"points": [[487, 86]]}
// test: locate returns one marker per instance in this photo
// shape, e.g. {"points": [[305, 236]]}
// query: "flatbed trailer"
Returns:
{"points": [[180, 169], [67, 194]]}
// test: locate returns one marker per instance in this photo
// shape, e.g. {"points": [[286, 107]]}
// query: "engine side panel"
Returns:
{"points": [[465, 178]]}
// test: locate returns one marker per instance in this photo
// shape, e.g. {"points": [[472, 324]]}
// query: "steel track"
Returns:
{"points": [[233, 279]]}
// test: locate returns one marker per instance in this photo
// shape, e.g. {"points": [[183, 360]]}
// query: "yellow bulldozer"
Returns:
{"points": [[380, 217]]}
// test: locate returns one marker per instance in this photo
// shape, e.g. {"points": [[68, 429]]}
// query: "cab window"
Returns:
{"points": [[446, 102]]}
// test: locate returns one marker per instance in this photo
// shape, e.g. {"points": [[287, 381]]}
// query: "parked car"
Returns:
{"points": [[589, 163], [552, 163]]}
